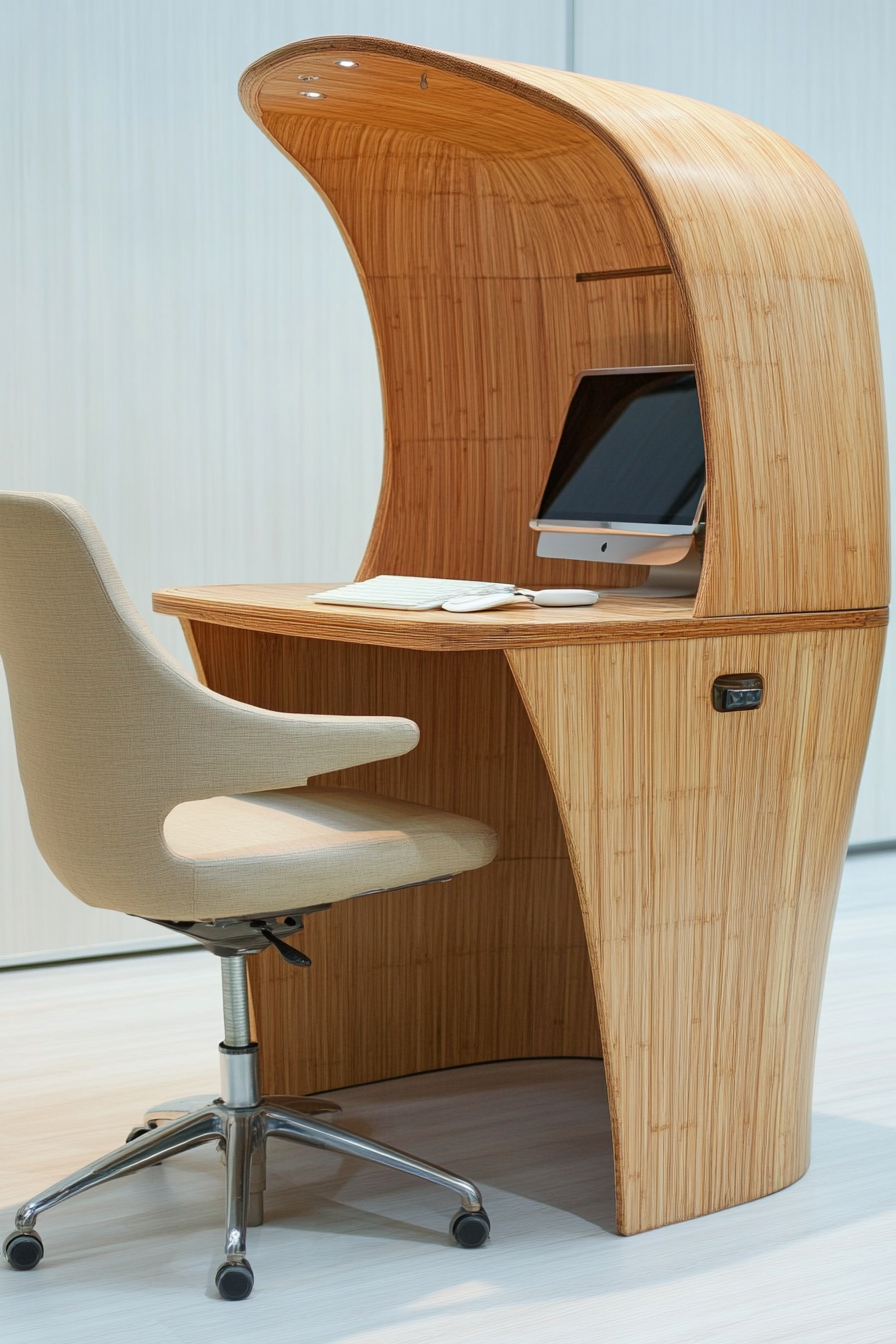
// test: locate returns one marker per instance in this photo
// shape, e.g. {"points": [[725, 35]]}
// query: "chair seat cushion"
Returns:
{"points": [[263, 852]]}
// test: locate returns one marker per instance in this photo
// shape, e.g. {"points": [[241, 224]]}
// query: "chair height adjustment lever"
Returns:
{"points": [[290, 954]]}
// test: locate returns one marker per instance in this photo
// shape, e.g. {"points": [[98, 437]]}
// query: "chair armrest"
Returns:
{"points": [[238, 748]]}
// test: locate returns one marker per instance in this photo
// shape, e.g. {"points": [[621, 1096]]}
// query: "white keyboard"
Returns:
{"points": [[403, 592]]}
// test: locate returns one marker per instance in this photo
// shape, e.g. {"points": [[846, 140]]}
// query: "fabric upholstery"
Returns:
{"points": [[112, 736], [320, 845]]}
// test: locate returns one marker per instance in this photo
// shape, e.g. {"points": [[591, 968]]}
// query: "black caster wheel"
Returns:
{"points": [[234, 1280], [470, 1230], [23, 1250]]}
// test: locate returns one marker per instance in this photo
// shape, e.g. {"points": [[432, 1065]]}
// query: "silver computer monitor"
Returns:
{"points": [[628, 479]]}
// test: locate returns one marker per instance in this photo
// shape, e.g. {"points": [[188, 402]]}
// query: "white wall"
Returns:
{"points": [[183, 343]]}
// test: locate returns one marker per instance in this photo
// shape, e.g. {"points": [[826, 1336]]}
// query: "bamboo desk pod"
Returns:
{"points": [[512, 226]]}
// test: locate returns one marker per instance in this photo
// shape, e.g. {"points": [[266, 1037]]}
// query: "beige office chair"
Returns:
{"points": [[149, 794]]}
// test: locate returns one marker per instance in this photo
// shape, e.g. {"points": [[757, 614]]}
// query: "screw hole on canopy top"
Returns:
{"points": [[423, 83]]}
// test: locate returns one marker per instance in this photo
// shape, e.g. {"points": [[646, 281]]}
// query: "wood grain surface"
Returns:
{"points": [[708, 873], [706, 848], [471, 205], [492, 965], [285, 609]]}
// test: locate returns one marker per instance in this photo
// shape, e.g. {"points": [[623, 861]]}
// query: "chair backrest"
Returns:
{"points": [[94, 699], [111, 732]]}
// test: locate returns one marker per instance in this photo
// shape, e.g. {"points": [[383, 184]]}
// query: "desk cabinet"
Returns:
{"points": [[700, 845], [666, 881]]}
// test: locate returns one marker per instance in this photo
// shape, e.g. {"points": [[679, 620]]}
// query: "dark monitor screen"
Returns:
{"points": [[631, 451]]}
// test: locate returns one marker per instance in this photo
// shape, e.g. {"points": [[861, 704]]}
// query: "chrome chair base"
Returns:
{"points": [[177, 1106], [243, 1133], [164, 1111], [240, 1122], [174, 1109]]}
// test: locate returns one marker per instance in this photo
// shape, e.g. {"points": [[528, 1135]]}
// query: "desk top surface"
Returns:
{"points": [[285, 609]]}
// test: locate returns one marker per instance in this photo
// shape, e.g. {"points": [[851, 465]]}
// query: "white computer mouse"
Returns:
{"points": [[565, 597], [485, 602]]}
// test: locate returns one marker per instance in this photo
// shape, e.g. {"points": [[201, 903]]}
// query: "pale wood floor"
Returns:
{"points": [[357, 1256]]}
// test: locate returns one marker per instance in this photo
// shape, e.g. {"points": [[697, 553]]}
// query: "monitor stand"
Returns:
{"points": [[678, 580]]}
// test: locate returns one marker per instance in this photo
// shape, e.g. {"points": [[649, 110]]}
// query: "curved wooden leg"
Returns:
{"points": [[708, 850]]}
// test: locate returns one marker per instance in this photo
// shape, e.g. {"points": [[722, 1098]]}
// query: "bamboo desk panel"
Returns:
{"points": [[665, 870], [286, 609]]}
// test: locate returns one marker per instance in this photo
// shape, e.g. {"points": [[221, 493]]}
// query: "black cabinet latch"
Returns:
{"points": [[737, 691]]}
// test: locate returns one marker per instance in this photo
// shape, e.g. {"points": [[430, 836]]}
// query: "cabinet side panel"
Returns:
{"points": [[709, 849]]}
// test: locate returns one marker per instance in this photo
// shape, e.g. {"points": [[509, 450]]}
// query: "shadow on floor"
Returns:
{"points": [[535, 1134]]}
